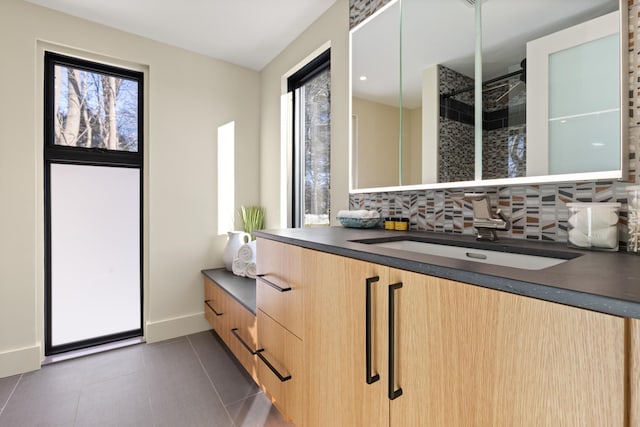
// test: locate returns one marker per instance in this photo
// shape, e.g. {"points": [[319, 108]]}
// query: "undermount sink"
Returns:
{"points": [[458, 250]]}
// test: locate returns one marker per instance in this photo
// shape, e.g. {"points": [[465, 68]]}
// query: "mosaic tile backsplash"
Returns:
{"points": [[538, 212]]}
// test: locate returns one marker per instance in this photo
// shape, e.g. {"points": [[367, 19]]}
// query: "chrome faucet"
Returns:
{"points": [[484, 221]]}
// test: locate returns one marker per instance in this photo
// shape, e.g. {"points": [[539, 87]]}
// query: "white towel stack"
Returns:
{"points": [[362, 213], [594, 225], [244, 263]]}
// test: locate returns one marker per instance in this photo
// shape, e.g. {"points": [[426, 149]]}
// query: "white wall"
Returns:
{"points": [[331, 28], [188, 97]]}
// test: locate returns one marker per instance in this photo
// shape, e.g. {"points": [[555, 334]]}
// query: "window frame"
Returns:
{"points": [[308, 72], [89, 156]]}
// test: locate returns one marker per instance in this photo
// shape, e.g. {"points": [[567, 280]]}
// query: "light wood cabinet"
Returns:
{"points": [[234, 324], [335, 343], [281, 371], [467, 355], [382, 346], [243, 341], [215, 309], [280, 288], [280, 284]]}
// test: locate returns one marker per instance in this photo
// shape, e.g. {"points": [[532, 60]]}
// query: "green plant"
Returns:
{"points": [[252, 219]]}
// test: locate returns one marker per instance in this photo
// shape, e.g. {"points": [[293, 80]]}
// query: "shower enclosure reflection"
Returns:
{"points": [[413, 117]]}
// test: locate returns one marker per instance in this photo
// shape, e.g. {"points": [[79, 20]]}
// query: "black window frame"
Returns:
{"points": [[88, 156], [298, 79]]}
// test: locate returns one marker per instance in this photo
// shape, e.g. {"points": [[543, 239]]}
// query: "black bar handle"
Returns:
{"points": [[281, 377], [273, 285], [393, 392], [234, 331], [212, 309], [369, 378]]}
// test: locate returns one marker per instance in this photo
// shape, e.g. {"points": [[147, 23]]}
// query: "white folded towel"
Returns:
{"points": [[601, 217], [251, 270], [238, 267], [363, 213], [606, 237], [247, 252]]}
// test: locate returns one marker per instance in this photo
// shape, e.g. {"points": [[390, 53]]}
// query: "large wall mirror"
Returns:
{"points": [[550, 97]]}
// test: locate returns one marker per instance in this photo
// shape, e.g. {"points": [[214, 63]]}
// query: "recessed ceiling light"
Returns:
{"points": [[363, 78], [598, 144]]}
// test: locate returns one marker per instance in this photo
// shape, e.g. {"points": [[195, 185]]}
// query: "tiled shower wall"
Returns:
{"points": [[538, 212]]}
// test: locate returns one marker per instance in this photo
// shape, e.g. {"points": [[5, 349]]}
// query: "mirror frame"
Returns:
{"points": [[618, 175]]}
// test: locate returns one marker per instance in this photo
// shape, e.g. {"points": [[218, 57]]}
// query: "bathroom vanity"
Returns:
{"points": [[375, 335]]}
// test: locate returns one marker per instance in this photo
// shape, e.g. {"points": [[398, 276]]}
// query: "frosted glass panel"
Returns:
{"points": [[584, 113], [95, 251], [585, 143], [585, 79]]}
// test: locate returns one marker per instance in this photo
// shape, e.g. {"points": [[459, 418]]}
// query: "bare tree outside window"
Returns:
{"points": [[95, 110], [317, 159]]}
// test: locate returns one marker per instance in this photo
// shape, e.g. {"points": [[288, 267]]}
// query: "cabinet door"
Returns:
{"points": [[467, 355], [335, 345]]}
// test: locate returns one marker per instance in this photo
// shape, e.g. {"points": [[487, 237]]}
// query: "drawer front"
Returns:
{"points": [[280, 367], [244, 338], [282, 301], [279, 288], [215, 309]]}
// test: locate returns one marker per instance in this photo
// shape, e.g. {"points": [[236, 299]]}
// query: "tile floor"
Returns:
{"points": [[188, 381]]}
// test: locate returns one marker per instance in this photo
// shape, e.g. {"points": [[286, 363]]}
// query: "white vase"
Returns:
{"points": [[236, 239]]}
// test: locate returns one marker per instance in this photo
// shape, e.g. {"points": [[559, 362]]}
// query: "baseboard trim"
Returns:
{"points": [[20, 360], [161, 330]]}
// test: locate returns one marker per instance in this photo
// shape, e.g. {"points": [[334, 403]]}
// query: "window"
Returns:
{"points": [[93, 200], [311, 89], [93, 109]]}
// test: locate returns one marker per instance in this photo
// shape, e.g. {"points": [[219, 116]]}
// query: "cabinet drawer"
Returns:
{"points": [[281, 367], [215, 309], [279, 287], [243, 337], [282, 301]]}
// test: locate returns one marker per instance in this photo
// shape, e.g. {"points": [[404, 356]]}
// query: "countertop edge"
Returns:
{"points": [[231, 289]]}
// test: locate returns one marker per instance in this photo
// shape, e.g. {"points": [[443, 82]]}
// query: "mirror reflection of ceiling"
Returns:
{"points": [[442, 32]]}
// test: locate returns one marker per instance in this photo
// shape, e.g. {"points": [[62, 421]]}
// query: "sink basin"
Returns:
{"points": [[459, 250]]}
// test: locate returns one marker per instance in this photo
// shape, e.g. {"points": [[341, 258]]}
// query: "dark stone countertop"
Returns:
{"points": [[607, 282], [242, 289]]}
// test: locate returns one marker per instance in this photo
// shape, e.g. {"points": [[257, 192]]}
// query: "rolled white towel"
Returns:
{"points": [[362, 213], [601, 217], [606, 237], [251, 270], [238, 267], [247, 252]]}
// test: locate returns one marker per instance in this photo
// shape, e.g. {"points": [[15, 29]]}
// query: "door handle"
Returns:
{"points": [[212, 309], [394, 393], [235, 333], [369, 378], [273, 285]]}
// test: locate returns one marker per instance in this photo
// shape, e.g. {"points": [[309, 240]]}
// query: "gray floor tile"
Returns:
{"points": [[256, 411], [121, 401], [188, 381], [172, 363], [115, 363], [42, 409], [188, 403], [6, 388], [58, 378], [232, 384]]}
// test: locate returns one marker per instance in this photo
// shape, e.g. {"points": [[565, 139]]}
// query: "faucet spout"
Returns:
{"points": [[484, 221]]}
